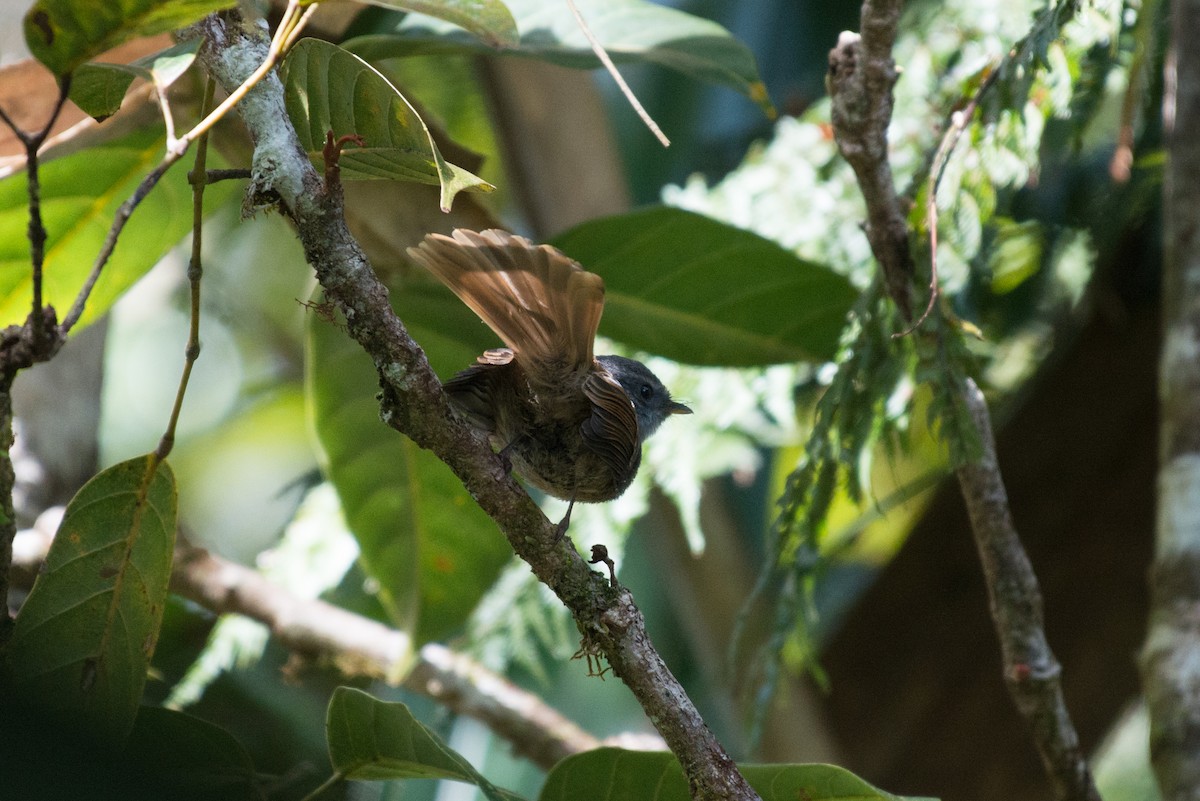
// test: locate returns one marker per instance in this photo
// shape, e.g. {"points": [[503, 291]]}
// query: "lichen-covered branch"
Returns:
{"points": [[414, 404], [1171, 671], [861, 77]]}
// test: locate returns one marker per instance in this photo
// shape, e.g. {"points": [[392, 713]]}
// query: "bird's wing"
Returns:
{"points": [[540, 302], [472, 389], [612, 429]]}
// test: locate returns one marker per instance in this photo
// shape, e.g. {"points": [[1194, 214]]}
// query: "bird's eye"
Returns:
{"points": [[646, 391]]}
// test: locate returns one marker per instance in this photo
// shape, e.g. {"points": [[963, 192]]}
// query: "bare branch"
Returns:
{"points": [[861, 76], [359, 646], [124, 212], [413, 403], [1032, 673]]}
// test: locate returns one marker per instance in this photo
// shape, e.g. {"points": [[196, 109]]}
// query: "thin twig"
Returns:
{"points": [[37, 229], [232, 174], [291, 25], [124, 212], [194, 273], [1145, 44], [602, 54], [959, 120]]}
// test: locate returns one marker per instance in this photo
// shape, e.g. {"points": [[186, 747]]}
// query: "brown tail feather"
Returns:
{"points": [[540, 302]]}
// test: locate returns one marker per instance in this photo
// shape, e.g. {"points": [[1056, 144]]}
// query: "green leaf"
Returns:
{"points": [[62, 34], [169, 755], [609, 774], [373, 740], [431, 549], [631, 31], [181, 756], [490, 21], [1017, 253], [99, 88], [703, 292], [83, 639], [80, 197], [329, 89]]}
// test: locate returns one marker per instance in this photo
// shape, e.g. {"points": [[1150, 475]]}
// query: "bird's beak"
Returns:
{"points": [[678, 408]]}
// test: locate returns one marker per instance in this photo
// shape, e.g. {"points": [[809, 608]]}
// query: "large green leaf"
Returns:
{"points": [[330, 89], [629, 30], [373, 740], [99, 88], [80, 197], [703, 292], [431, 549], [83, 639], [611, 774], [182, 756], [490, 21], [62, 34], [169, 755]]}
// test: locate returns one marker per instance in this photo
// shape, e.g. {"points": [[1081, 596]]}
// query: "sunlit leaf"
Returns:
{"points": [[373, 740], [84, 637], [62, 34], [429, 547], [80, 197], [703, 292], [1017, 253], [611, 774], [330, 89], [99, 88], [631, 31], [488, 20]]}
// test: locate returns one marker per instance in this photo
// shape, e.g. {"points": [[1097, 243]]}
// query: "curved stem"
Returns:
{"points": [[194, 273]]}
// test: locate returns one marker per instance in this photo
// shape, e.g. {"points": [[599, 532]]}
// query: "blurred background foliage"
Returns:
{"points": [[1041, 232]]}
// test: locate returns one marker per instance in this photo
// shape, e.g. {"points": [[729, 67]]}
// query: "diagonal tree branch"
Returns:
{"points": [[1031, 671], [413, 403], [861, 76]]}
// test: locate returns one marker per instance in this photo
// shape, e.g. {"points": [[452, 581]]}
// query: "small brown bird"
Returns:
{"points": [[571, 424]]}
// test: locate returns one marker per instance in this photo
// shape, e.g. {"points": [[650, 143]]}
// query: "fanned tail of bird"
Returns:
{"points": [[540, 302]]}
